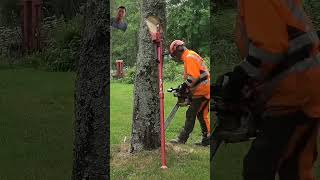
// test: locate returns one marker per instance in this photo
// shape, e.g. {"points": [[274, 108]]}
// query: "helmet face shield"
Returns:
{"points": [[175, 57], [172, 57]]}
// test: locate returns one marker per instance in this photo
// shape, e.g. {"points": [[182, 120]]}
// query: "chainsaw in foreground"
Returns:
{"points": [[183, 100], [235, 122]]}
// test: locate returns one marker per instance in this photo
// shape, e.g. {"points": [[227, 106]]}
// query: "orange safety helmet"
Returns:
{"points": [[174, 45]]}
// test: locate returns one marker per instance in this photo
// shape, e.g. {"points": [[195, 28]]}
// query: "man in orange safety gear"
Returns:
{"points": [[280, 49], [197, 84]]}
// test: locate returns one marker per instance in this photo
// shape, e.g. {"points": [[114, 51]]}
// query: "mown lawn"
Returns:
{"points": [[36, 134], [228, 162], [184, 162], [36, 131]]}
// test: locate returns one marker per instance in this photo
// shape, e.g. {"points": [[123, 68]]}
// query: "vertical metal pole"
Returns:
{"points": [[161, 95], [156, 37]]}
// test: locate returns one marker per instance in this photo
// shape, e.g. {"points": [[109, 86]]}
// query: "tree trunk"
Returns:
{"points": [[146, 115], [91, 145]]}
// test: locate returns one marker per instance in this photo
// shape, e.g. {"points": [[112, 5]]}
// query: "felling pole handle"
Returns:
{"points": [[154, 27]]}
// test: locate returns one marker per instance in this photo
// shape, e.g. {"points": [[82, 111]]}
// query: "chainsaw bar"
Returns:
{"points": [[171, 116]]}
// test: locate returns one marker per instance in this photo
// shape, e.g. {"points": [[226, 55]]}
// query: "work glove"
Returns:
{"points": [[221, 82], [183, 88], [232, 90]]}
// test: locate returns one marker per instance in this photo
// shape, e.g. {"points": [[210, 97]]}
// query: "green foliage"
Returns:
{"points": [[189, 21], [63, 47], [225, 4], [224, 53], [129, 75], [58, 59], [224, 25], [67, 9], [207, 61], [173, 71], [61, 40], [34, 60], [312, 8], [10, 9], [10, 42], [9, 12]]}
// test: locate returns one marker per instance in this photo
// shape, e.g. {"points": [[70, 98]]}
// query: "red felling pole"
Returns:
{"points": [[161, 95]]}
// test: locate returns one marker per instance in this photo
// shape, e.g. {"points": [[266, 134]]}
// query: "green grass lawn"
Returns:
{"points": [[121, 104], [184, 162], [191, 163], [36, 134], [36, 131], [228, 162]]}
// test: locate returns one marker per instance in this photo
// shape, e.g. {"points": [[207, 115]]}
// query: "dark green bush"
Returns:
{"points": [[312, 8], [130, 74], [63, 49], [172, 71]]}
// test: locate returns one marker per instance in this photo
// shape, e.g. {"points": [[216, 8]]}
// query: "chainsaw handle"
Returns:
{"points": [[172, 90]]}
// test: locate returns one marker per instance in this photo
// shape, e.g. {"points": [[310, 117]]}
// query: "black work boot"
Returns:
{"points": [[181, 139], [205, 140]]}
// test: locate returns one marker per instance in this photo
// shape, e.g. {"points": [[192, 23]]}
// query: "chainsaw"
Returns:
{"points": [[183, 100], [236, 122]]}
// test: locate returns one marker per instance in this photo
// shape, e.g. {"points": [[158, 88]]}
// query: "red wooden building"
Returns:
{"points": [[31, 22]]}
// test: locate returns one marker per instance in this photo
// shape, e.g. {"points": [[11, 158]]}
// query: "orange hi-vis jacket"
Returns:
{"points": [[274, 31], [196, 74]]}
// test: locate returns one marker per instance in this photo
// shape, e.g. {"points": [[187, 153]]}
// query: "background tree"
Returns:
{"points": [[146, 118], [313, 10], [67, 9], [189, 21], [91, 145], [9, 12]]}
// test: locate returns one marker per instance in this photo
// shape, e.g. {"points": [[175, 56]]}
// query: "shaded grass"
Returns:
{"points": [[229, 159], [36, 131]]}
